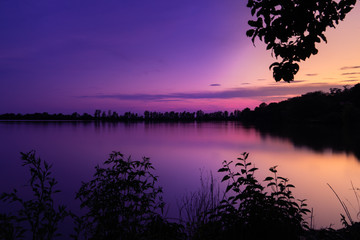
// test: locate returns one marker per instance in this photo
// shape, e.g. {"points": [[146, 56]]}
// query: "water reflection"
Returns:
{"points": [[310, 158], [318, 138]]}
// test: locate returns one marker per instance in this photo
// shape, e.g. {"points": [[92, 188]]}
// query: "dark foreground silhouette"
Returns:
{"points": [[123, 201], [291, 29]]}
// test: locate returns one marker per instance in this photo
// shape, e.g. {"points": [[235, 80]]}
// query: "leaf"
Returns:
{"points": [[253, 169], [314, 51], [252, 23], [304, 210], [225, 178], [253, 10], [273, 169], [268, 178], [223, 201], [271, 184], [250, 33], [259, 22], [228, 188], [284, 179], [269, 46], [323, 37], [223, 169], [275, 64]]}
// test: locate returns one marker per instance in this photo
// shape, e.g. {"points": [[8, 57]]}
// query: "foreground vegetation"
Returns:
{"points": [[123, 201]]}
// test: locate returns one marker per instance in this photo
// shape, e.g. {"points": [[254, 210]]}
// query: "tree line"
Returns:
{"points": [[110, 115], [336, 107]]}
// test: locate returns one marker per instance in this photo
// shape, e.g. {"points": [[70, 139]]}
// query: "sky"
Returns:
{"points": [[160, 55]]}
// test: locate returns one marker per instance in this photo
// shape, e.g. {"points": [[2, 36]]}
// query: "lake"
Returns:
{"points": [[181, 154]]}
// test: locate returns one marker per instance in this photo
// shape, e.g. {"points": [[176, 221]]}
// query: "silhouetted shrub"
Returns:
{"points": [[249, 212], [123, 201], [39, 215]]}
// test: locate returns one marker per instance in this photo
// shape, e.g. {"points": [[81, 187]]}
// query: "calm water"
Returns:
{"points": [[180, 152]]}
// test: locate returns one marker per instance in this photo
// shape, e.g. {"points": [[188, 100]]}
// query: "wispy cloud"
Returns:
{"points": [[286, 83], [349, 67], [255, 92], [318, 83], [351, 73], [311, 74], [350, 80], [215, 85]]}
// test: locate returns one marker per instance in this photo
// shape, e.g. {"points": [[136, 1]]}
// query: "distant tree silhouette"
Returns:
{"points": [[337, 108], [97, 113], [291, 28], [75, 115], [199, 115], [103, 115], [113, 116]]}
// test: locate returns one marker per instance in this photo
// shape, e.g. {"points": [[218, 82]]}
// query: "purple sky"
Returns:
{"points": [[67, 56]]}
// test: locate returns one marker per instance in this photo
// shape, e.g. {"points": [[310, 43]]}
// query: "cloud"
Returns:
{"points": [[215, 85], [286, 83], [311, 74], [350, 73], [242, 92], [349, 67], [350, 80], [316, 83]]}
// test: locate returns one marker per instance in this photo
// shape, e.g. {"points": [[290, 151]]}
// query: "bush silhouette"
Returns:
{"points": [[249, 212], [123, 202], [38, 215]]}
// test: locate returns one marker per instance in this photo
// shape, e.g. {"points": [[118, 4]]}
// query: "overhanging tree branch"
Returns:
{"points": [[291, 28]]}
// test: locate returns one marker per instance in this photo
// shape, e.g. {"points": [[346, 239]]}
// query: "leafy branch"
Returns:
{"points": [[290, 29]]}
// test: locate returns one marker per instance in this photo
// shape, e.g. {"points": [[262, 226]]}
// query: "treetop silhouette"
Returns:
{"points": [[291, 28]]}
